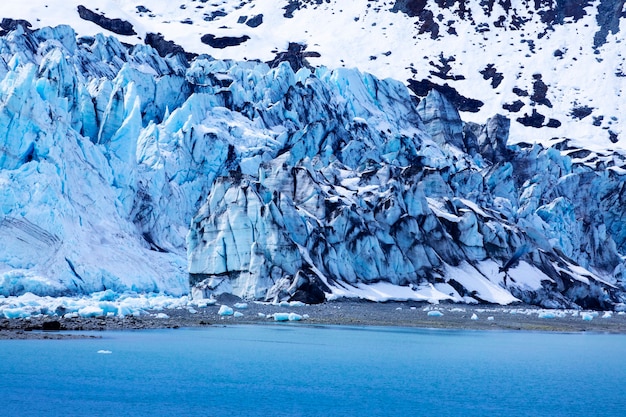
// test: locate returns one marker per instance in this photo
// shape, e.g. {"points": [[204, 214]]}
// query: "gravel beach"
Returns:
{"points": [[340, 312]]}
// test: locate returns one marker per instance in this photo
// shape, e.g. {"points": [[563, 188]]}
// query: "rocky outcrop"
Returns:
{"points": [[119, 26]]}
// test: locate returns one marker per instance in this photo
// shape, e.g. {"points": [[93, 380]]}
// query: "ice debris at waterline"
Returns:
{"points": [[124, 170], [100, 304]]}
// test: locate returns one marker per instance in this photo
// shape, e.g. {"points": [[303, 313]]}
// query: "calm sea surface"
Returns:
{"points": [[295, 370]]}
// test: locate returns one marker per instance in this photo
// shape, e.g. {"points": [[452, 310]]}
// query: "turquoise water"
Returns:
{"points": [[295, 370]]}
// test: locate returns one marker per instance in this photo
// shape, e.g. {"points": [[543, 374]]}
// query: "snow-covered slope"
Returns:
{"points": [[127, 170], [555, 68]]}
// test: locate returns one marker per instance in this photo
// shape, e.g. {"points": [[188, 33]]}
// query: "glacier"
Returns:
{"points": [[127, 171]]}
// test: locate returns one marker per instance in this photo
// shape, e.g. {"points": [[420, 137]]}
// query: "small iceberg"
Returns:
{"points": [[587, 316], [435, 313], [225, 311]]}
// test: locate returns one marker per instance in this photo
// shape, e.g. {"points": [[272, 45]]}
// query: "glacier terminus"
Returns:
{"points": [[127, 170]]}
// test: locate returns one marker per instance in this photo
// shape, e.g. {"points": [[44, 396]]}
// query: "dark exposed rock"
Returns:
{"points": [[119, 26], [53, 325], [444, 68], [8, 25], [519, 92], [534, 120], [291, 7], [214, 15], [580, 112], [513, 107], [223, 42], [554, 123], [462, 103], [540, 89], [427, 24], [255, 21], [162, 46], [490, 72], [608, 17], [556, 12], [411, 8], [295, 55]]}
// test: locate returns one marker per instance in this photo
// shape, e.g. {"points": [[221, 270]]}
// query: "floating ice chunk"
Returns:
{"points": [[305, 316], [261, 315], [398, 308], [435, 313], [297, 304], [607, 315], [72, 315], [587, 316], [294, 317], [205, 302], [490, 318], [161, 316], [192, 310], [281, 316], [241, 306], [546, 315], [91, 311], [238, 314], [104, 352], [225, 311], [284, 304], [474, 316]]}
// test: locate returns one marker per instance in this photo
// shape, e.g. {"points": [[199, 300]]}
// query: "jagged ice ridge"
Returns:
{"points": [[124, 170]]}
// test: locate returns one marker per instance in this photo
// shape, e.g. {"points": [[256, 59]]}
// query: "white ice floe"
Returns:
{"points": [[474, 316], [104, 352], [106, 303], [435, 313], [287, 317], [587, 316], [161, 316], [240, 306], [238, 314], [225, 310]]}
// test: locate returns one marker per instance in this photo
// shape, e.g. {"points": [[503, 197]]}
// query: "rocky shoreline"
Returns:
{"points": [[340, 312]]}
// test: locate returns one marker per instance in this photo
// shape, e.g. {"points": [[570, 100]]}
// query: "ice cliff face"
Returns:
{"points": [[124, 170]]}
